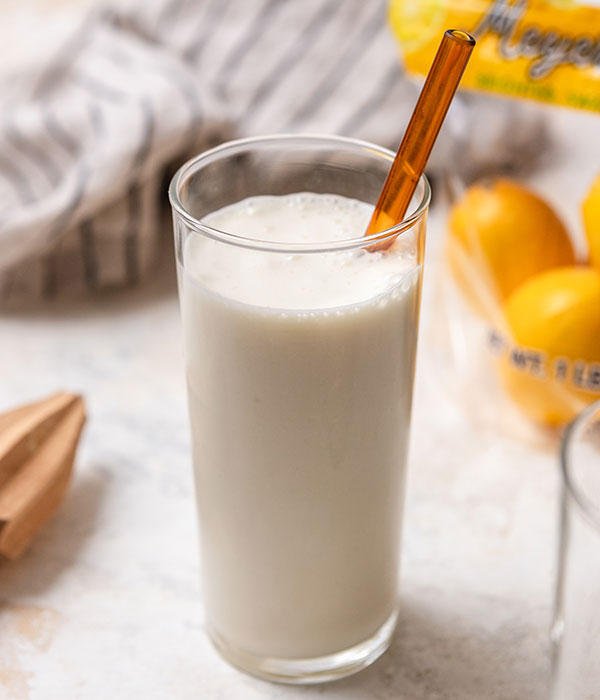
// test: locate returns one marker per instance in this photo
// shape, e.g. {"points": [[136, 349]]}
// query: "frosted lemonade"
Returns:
{"points": [[309, 364], [300, 352], [300, 303]]}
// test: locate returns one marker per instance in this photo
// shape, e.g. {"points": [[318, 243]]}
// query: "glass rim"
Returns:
{"points": [[234, 146], [587, 506]]}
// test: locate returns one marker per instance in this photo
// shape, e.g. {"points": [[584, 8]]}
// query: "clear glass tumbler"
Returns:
{"points": [[576, 627], [299, 404]]}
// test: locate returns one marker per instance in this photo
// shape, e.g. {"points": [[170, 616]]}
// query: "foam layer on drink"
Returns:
{"points": [[296, 280]]}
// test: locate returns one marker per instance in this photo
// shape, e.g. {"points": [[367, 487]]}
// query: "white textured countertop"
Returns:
{"points": [[106, 603]]}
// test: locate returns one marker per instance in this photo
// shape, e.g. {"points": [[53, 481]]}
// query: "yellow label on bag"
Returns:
{"points": [[547, 50]]}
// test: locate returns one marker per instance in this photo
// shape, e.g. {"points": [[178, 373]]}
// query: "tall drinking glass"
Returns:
{"points": [[300, 353], [576, 628]]}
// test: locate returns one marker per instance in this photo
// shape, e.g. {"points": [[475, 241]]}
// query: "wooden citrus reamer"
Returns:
{"points": [[37, 448], [420, 135]]}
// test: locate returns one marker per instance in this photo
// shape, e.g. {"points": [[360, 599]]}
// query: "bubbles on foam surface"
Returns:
{"points": [[298, 281], [310, 217]]}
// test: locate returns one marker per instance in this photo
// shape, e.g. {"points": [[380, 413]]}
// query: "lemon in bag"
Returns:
{"points": [[501, 234], [551, 368], [591, 221]]}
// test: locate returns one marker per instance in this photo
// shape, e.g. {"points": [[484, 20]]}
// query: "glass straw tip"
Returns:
{"points": [[461, 36]]}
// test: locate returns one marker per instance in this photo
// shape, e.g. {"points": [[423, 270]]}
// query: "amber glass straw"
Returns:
{"points": [[408, 166]]}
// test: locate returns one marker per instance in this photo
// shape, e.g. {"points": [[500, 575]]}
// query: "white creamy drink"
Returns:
{"points": [[300, 372]]}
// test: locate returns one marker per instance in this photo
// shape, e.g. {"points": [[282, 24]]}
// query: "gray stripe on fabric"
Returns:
{"points": [[149, 119], [17, 180], [207, 26], [58, 132], [96, 118], [33, 152], [376, 99], [303, 41], [83, 174], [131, 240], [169, 11], [49, 282], [8, 282], [132, 271], [86, 230], [88, 253], [342, 67], [235, 57], [186, 87], [98, 88], [62, 222]]}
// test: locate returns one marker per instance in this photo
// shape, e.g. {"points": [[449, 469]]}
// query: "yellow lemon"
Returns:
{"points": [[501, 234], [551, 366], [591, 221]]}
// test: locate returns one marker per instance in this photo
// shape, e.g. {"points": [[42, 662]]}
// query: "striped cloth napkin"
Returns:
{"points": [[89, 133]]}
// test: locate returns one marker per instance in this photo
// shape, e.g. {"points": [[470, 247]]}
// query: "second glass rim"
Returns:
{"points": [[588, 507], [269, 246]]}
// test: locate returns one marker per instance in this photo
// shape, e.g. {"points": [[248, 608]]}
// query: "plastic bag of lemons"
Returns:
{"points": [[513, 262], [521, 316]]}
